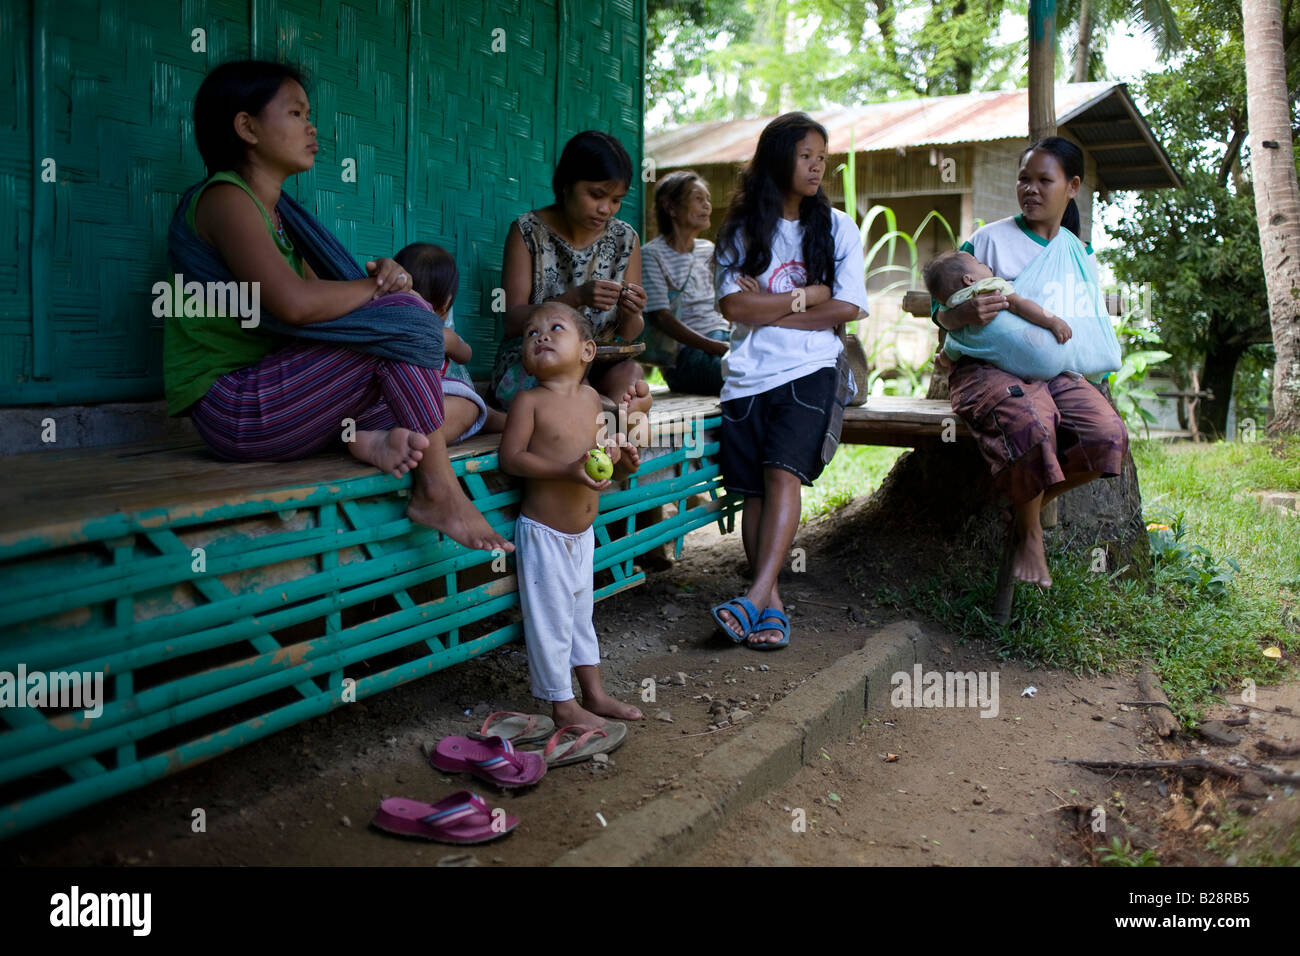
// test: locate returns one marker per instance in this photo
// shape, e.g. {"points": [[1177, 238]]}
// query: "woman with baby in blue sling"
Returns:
{"points": [[1022, 358]]}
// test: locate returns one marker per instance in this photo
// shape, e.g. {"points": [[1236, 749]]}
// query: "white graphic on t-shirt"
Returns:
{"points": [[787, 277]]}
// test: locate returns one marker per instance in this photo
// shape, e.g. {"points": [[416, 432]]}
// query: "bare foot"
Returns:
{"points": [[637, 397], [767, 635], [607, 706], [446, 509], [568, 713], [733, 625], [395, 451], [1030, 562]]}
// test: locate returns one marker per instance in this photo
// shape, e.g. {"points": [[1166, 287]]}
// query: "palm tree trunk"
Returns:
{"points": [[1084, 50], [1277, 199]]}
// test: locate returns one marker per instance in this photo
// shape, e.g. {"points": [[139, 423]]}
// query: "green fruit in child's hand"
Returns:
{"points": [[599, 467]]}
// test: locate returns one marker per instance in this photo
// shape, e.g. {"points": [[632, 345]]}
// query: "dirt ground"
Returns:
{"points": [[964, 790]]}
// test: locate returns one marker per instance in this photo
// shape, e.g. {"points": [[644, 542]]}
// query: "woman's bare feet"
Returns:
{"points": [[605, 706], [446, 509], [1030, 561], [395, 451], [439, 502]]}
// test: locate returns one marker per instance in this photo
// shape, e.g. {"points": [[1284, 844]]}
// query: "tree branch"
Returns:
{"points": [[1230, 157], [1198, 765]]}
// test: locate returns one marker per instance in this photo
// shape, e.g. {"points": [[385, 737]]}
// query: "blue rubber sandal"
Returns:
{"points": [[770, 620], [743, 611]]}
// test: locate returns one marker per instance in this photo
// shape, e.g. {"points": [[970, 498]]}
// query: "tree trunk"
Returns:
{"points": [[1217, 377], [1085, 43], [945, 491], [777, 13], [963, 66], [1277, 199], [885, 24], [1042, 68]]}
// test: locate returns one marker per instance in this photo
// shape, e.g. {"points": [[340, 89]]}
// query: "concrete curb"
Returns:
{"points": [[763, 757]]}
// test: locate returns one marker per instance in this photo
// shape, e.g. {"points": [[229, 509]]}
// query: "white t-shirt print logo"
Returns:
{"points": [[787, 277]]}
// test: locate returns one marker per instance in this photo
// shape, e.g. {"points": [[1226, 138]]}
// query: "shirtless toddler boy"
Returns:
{"points": [[548, 433]]}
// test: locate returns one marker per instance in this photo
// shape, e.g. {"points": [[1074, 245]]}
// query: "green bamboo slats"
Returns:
{"points": [[438, 122], [307, 593]]}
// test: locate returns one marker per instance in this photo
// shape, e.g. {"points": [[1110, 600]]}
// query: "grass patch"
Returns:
{"points": [[1204, 644], [855, 470], [1276, 844]]}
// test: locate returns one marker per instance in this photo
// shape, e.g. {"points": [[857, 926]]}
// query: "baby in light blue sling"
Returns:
{"points": [[1031, 340]]}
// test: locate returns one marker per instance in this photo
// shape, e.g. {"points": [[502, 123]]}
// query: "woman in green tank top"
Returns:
{"points": [[253, 397]]}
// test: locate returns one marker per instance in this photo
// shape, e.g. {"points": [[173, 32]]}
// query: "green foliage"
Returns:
{"points": [[1175, 561], [1198, 247], [855, 470], [678, 37], [766, 56], [1121, 853], [1272, 843], [907, 379], [1203, 645], [1253, 387], [1156, 18], [1126, 385]]}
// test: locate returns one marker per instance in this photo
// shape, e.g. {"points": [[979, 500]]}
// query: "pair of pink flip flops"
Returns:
{"points": [[495, 759], [490, 755], [464, 817]]}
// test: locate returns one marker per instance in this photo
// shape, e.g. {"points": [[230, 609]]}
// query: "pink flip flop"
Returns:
{"points": [[463, 818], [516, 727], [492, 759], [585, 743]]}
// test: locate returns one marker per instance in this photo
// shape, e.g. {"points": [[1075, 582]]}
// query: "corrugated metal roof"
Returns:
{"points": [[1102, 112]]}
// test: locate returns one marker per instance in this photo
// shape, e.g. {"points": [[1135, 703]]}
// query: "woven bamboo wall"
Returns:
{"points": [[452, 141]]}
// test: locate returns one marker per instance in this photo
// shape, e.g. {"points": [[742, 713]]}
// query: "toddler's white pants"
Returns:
{"points": [[555, 593]]}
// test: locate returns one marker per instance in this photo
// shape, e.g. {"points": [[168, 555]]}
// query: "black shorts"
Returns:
{"points": [[783, 427]]}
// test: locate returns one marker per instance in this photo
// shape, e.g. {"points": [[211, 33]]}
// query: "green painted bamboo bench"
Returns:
{"points": [[224, 602]]}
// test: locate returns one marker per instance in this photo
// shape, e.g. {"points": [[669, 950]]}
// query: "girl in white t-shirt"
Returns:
{"points": [[789, 270]]}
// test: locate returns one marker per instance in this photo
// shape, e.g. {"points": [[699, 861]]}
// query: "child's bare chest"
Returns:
{"points": [[565, 428]]}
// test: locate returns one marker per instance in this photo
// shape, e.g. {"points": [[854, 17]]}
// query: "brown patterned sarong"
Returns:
{"points": [[1036, 438]]}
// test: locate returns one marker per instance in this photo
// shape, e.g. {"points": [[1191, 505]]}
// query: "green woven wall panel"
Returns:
{"points": [[119, 83]]}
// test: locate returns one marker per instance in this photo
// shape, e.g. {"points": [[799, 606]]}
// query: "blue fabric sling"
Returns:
{"points": [[394, 330], [1060, 280]]}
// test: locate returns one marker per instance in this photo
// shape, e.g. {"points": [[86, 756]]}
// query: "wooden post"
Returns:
{"points": [[1042, 109], [1042, 69]]}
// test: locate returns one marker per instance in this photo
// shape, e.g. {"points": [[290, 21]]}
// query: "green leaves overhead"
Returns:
{"points": [[758, 57], [1198, 247]]}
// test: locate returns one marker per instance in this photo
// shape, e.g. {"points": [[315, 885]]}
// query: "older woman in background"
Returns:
{"points": [[686, 335]]}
